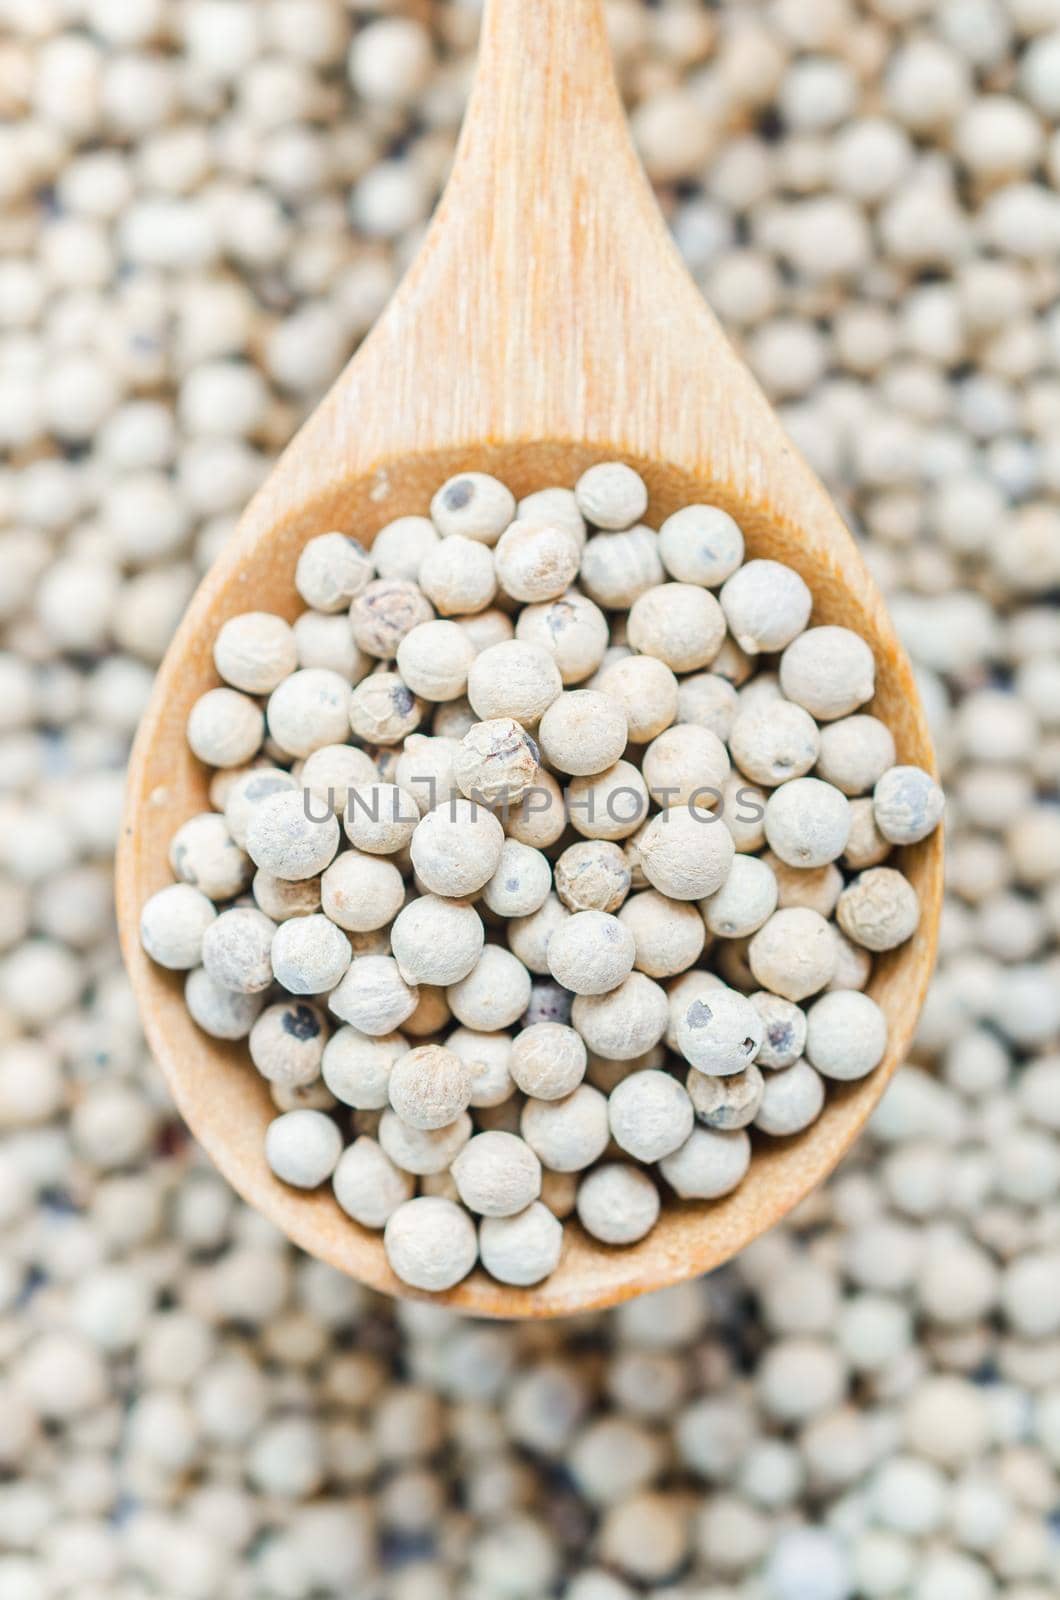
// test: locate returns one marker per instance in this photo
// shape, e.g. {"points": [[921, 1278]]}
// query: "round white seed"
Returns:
{"points": [[908, 805], [709, 1164], [513, 679], [720, 1032], [356, 1067], [567, 1135], [456, 848], [572, 629], [726, 1103], [287, 1043], [745, 901], [367, 1184], [255, 652], [611, 495], [303, 1147], [361, 892], [785, 1030], [433, 659], [521, 883], [793, 954], [309, 709], [829, 671], [236, 949], [701, 544], [547, 1060], [591, 953], [583, 732], [373, 996], [791, 1100], [430, 1243], [496, 762], [429, 1087], [172, 924], [686, 854], [283, 840], [618, 1204], [310, 955], [536, 561], [766, 605], [855, 753], [497, 1174], [225, 728], [524, 1249], [626, 1022], [879, 910], [474, 506], [679, 624], [494, 994], [846, 1035], [807, 822], [423, 1151], [650, 1115], [331, 570], [436, 941]]}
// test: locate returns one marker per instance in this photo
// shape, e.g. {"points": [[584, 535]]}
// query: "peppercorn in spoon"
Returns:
{"points": [[546, 324]]}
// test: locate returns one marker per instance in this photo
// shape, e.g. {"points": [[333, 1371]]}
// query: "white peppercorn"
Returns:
{"points": [[591, 953], [624, 1023], [686, 766], [707, 700], [618, 1204], [495, 992], [650, 1115], [524, 1249], [287, 1043], [248, 791], [556, 505], [380, 818], [326, 642], [746, 899], [436, 941], [474, 506], [283, 840], [528, 937], [907, 804], [361, 892], [309, 709], [496, 763], [617, 567], [709, 1164], [807, 822], [172, 924], [855, 753], [775, 742], [686, 854], [701, 544], [203, 854], [853, 964], [222, 1013], [718, 1032], [429, 1087], [255, 652], [430, 1243], [513, 679], [383, 709], [567, 1135], [592, 876], [399, 548], [423, 1151], [540, 817], [572, 629], [225, 728], [236, 949], [816, 887], [865, 846], [785, 1030], [727, 1103], [791, 1099], [536, 561], [280, 899], [384, 613], [679, 624], [583, 732], [794, 953], [846, 1035], [828, 671], [367, 1184], [521, 883], [310, 954], [668, 935], [744, 809], [456, 848], [486, 1055], [647, 691], [608, 805], [766, 605], [356, 1067], [547, 1060], [879, 910], [303, 1147], [373, 996], [425, 769], [458, 577], [433, 659], [497, 1174], [331, 570], [611, 495]]}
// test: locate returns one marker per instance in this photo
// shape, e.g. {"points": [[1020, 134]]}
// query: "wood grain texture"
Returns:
{"points": [[547, 323]]}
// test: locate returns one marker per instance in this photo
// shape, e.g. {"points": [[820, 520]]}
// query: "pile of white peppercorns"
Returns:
{"points": [[205, 203], [619, 829]]}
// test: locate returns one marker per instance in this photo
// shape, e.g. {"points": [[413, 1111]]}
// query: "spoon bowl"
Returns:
{"points": [[547, 324]]}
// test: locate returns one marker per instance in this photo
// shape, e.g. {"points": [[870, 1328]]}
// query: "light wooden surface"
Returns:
{"points": [[547, 323]]}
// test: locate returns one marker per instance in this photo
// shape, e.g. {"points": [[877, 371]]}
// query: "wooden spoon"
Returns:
{"points": [[547, 323]]}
